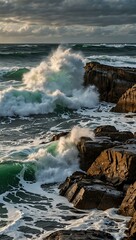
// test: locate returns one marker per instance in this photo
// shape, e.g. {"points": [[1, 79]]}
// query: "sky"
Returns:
{"points": [[67, 21]]}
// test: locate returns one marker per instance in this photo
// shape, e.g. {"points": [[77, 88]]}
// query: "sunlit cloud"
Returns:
{"points": [[65, 20]]}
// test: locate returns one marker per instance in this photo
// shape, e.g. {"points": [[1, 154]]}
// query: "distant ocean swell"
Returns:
{"points": [[25, 50]]}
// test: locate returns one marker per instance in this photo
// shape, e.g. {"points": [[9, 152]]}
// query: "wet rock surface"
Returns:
{"points": [[105, 137], [127, 102], [110, 81], [87, 192], [128, 206], [57, 136], [117, 164], [89, 150], [112, 133]]}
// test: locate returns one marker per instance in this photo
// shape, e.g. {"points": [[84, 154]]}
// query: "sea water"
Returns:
{"points": [[41, 94]]}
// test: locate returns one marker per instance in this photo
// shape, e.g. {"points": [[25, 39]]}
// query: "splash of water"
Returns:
{"points": [[63, 70], [55, 82], [43, 164]]}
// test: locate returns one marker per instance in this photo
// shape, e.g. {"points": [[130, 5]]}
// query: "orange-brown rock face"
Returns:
{"points": [[128, 206], [127, 103], [117, 164]]}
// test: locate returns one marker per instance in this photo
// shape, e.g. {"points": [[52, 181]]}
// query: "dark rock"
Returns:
{"points": [[87, 193], [127, 102], [71, 191], [106, 137], [111, 81], [89, 150], [117, 164], [128, 205], [97, 195], [75, 177], [105, 129], [59, 135], [79, 235], [113, 133], [119, 136]]}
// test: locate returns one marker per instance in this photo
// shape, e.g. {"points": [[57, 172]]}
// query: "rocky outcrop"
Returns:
{"points": [[112, 133], [117, 164], [79, 235], [110, 81], [89, 150], [57, 136], [127, 102], [110, 162], [128, 206], [105, 137], [87, 193]]}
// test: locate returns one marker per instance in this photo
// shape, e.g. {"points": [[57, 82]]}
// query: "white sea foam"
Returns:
{"points": [[59, 157], [52, 158], [54, 162], [107, 221], [55, 82], [62, 70]]}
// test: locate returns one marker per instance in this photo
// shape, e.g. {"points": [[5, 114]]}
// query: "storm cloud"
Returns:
{"points": [[68, 20]]}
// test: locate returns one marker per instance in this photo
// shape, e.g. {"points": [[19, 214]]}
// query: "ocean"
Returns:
{"points": [[42, 94]]}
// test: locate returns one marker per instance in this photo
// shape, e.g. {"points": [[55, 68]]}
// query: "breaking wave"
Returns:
{"points": [[43, 164], [55, 84]]}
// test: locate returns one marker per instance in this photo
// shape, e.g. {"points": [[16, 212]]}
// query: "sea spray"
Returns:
{"points": [[56, 82], [62, 70], [43, 164], [60, 158]]}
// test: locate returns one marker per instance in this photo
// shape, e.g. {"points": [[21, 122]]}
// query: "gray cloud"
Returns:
{"points": [[67, 12], [57, 18]]}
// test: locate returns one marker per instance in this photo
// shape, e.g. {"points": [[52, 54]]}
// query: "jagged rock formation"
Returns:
{"points": [[105, 137], [110, 164], [117, 164], [113, 134], [87, 193], [89, 150], [110, 81], [127, 102], [128, 206]]}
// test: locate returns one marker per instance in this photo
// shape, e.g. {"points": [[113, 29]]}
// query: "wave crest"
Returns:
{"points": [[55, 83]]}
